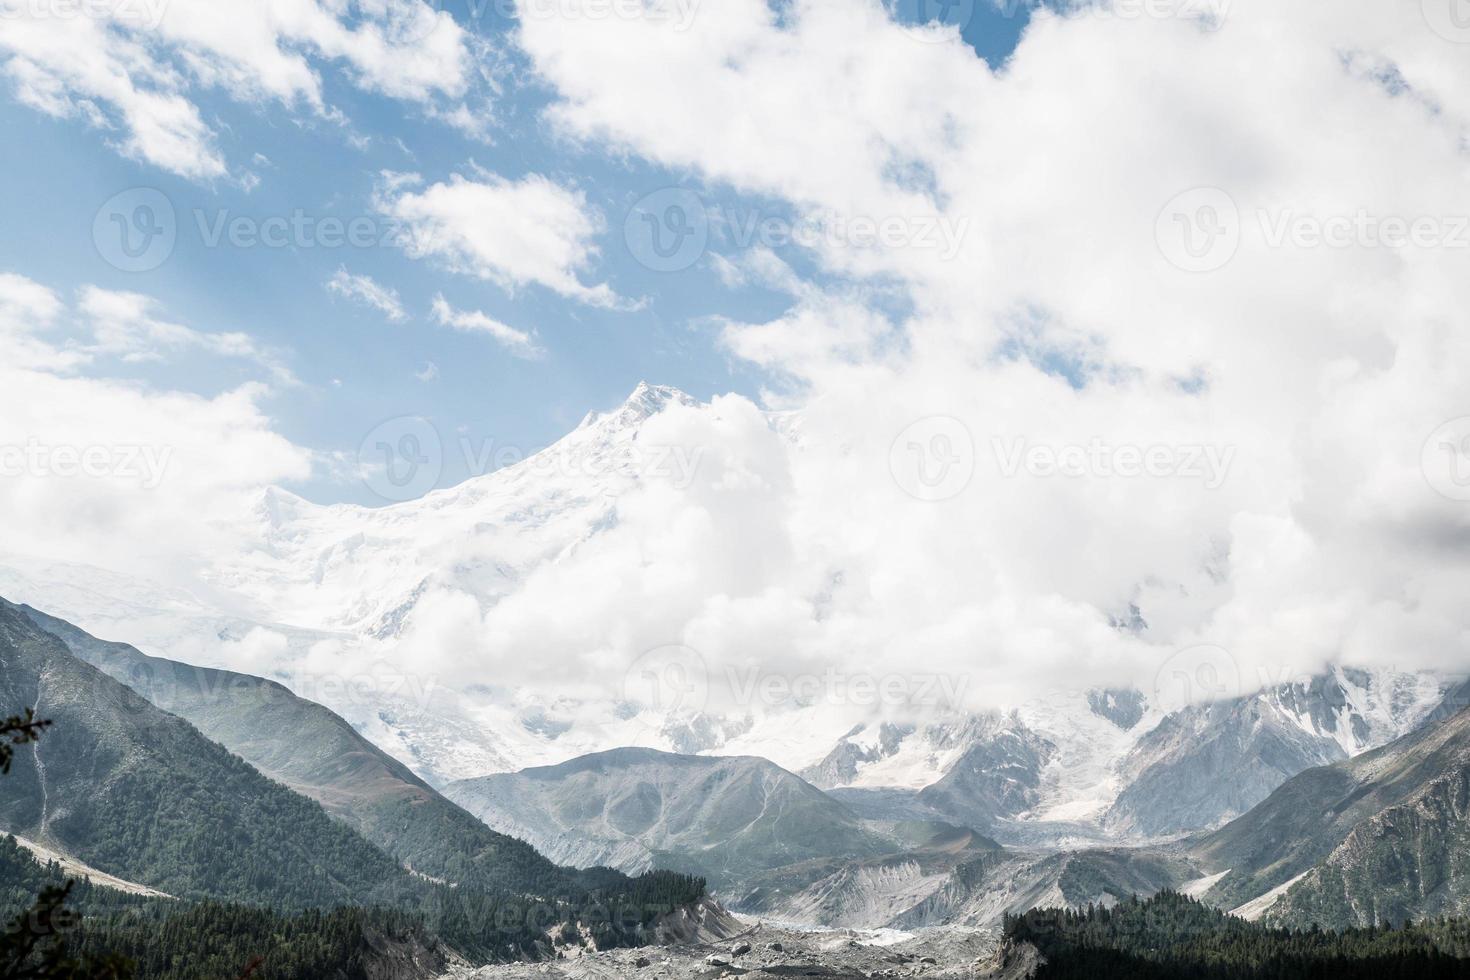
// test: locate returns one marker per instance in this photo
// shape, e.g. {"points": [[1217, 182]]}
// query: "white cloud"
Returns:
{"points": [[1060, 325], [28, 311], [138, 69], [1321, 371], [38, 330], [125, 325], [365, 289], [113, 473], [512, 233], [25, 305], [518, 342]]}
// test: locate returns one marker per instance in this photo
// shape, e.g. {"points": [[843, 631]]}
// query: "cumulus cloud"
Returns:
{"points": [[518, 342], [1087, 440], [366, 290], [29, 310], [138, 69], [114, 474], [513, 233], [1237, 452]]}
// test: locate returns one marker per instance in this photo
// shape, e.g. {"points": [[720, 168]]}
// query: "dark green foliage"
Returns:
{"points": [[1171, 936], [18, 730], [165, 939], [220, 942], [35, 942], [171, 939], [221, 830], [22, 878], [210, 941], [36, 945], [303, 745]]}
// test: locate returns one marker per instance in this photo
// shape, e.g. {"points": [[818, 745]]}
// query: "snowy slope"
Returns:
{"points": [[1071, 769], [363, 569], [1207, 764], [322, 598]]}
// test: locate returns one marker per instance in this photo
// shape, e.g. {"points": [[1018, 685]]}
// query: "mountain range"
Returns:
{"points": [[144, 795], [137, 798], [315, 753], [1374, 840], [1106, 767], [1338, 798], [1377, 839]]}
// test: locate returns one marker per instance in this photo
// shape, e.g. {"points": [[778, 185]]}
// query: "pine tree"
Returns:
{"points": [[34, 945]]}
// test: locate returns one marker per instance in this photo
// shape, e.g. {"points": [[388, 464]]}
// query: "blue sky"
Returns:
{"points": [[353, 366]]}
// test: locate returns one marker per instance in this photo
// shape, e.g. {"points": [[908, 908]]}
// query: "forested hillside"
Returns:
{"points": [[319, 755], [140, 794], [1171, 936]]}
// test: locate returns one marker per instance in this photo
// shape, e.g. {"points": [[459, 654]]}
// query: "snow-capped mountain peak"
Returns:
{"points": [[420, 582], [646, 401], [362, 569]]}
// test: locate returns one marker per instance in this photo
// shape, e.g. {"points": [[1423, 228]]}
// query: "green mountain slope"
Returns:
{"points": [[1407, 862], [1171, 937], [141, 794], [1377, 838], [318, 754], [166, 939]]}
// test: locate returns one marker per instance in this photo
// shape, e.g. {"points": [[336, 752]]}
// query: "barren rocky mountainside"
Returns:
{"points": [[725, 818], [1370, 841], [1364, 841]]}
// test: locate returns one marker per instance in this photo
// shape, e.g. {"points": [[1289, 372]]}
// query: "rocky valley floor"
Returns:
{"points": [[764, 951]]}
